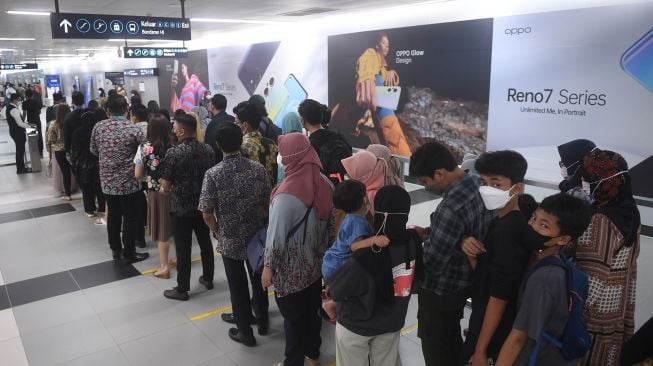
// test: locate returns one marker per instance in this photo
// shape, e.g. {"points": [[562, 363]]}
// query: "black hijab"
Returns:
{"points": [[571, 155], [392, 205]]}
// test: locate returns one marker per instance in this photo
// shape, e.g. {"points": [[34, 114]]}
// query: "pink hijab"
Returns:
{"points": [[365, 167], [303, 178]]}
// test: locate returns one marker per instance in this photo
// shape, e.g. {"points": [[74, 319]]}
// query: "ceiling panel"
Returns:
{"points": [[39, 26]]}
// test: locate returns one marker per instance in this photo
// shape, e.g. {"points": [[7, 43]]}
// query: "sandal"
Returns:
{"points": [[164, 274]]}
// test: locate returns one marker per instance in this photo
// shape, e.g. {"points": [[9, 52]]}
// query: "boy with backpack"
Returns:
{"points": [[500, 263], [549, 328], [255, 146], [331, 146]]}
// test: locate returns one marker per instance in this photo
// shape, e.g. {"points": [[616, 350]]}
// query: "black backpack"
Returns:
{"points": [[331, 153], [51, 113], [270, 130]]}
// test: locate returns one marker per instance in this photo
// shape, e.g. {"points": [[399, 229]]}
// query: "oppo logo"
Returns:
{"points": [[517, 31]]}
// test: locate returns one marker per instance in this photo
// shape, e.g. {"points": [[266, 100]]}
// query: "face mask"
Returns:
{"points": [[495, 198], [587, 187], [580, 193], [385, 219], [534, 240], [279, 159]]}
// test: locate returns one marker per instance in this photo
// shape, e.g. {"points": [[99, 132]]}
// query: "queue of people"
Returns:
{"points": [[333, 238]]}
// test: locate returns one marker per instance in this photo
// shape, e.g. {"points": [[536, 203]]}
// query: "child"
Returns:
{"points": [[542, 303], [499, 264], [355, 231]]}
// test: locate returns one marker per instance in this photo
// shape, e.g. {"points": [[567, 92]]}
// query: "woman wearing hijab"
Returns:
{"points": [[372, 289], [290, 124], [608, 252], [571, 163], [365, 167], [297, 238], [393, 172]]}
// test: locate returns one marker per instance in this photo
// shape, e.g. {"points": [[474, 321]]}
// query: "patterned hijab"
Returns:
{"points": [[393, 173], [303, 178], [365, 167], [607, 173]]}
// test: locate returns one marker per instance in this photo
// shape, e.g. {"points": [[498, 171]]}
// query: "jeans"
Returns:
{"points": [[439, 326], [122, 210], [302, 324], [182, 230], [239, 291]]}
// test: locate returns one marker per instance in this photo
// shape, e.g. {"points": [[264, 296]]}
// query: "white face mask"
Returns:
{"points": [[279, 158], [564, 170], [495, 198], [586, 186]]}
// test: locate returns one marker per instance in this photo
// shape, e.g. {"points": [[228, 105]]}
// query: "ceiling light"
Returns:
{"points": [[24, 12], [138, 40], [16, 39], [223, 20]]}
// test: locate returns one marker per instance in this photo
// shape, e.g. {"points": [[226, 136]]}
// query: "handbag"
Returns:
{"points": [[256, 245], [256, 249], [48, 170]]}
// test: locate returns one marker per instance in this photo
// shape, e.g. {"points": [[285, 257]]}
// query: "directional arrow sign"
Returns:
{"points": [[130, 52], [65, 24]]}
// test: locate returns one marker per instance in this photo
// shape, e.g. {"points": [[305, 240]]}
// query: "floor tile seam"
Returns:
{"points": [[63, 363], [166, 328], [22, 345], [135, 303], [67, 322]]}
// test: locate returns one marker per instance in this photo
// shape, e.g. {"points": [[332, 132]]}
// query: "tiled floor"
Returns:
{"points": [[63, 301]]}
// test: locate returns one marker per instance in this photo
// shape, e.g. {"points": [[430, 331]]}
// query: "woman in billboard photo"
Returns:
{"points": [[187, 89], [372, 71]]}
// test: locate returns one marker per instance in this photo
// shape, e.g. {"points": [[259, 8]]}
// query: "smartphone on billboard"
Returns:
{"points": [[256, 61], [296, 95], [275, 97], [637, 61]]}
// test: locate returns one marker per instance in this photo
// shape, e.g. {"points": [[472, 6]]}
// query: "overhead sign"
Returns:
{"points": [[100, 26], [116, 77], [52, 81], [154, 52], [142, 72], [18, 66]]}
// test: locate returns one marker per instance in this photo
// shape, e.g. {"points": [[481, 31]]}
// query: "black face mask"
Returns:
{"points": [[533, 240]]}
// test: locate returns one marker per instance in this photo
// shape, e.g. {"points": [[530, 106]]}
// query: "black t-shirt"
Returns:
{"points": [[499, 274], [32, 110]]}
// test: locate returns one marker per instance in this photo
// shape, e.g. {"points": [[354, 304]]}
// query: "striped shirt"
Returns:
{"points": [[192, 93], [460, 214]]}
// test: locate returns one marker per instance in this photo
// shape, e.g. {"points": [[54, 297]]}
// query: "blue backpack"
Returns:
{"points": [[575, 340]]}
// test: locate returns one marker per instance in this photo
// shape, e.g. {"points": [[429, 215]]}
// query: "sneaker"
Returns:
{"points": [[206, 283], [175, 294]]}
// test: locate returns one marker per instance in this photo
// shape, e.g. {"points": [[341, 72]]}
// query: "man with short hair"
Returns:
{"points": [[331, 146], [218, 109], [447, 272], [256, 147], [17, 132], [32, 113], [114, 141], [73, 120], [182, 171], [235, 195], [138, 115]]}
